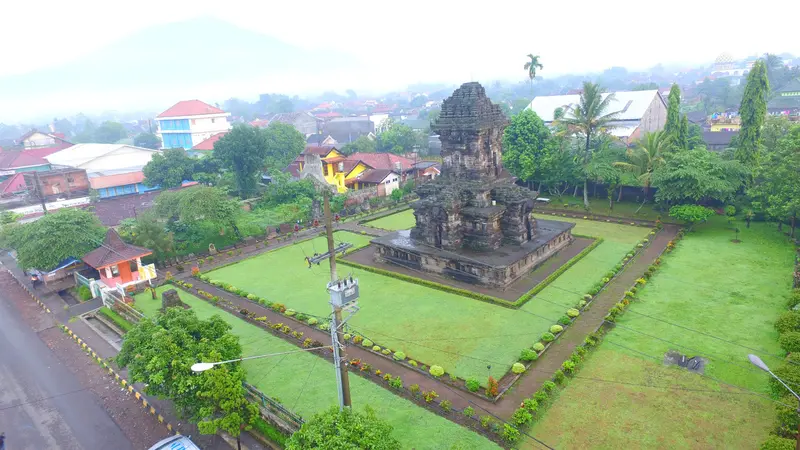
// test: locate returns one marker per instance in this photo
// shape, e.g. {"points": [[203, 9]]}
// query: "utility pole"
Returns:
{"points": [[39, 192], [343, 297]]}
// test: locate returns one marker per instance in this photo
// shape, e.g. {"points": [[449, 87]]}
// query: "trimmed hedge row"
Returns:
{"points": [[115, 318]]}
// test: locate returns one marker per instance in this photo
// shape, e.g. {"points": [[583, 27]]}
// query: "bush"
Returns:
{"points": [[539, 347], [399, 356], [572, 312], [313, 321], [558, 376], [375, 348], [794, 300], [568, 367], [564, 320], [790, 341], [521, 417], [473, 384], [301, 317], [396, 382], [730, 210], [778, 443], [446, 405], [436, 371], [252, 297], [581, 303], [357, 339], [531, 405], [84, 293], [367, 343], [347, 336], [413, 363], [510, 434], [540, 397], [430, 396], [414, 388], [555, 329], [492, 389], [290, 312], [789, 372], [469, 411], [587, 297], [788, 321], [548, 337], [518, 368], [528, 355], [386, 352], [485, 421]]}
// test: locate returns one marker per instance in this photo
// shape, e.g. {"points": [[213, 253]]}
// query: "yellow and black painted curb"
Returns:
{"points": [[34, 297], [122, 381]]}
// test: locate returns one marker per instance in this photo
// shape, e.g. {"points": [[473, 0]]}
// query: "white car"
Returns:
{"points": [[177, 442]]}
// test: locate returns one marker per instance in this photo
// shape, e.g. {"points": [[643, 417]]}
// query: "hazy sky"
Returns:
{"points": [[418, 41]]}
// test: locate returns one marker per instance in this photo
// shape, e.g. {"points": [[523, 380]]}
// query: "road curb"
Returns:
{"points": [[121, 380]]}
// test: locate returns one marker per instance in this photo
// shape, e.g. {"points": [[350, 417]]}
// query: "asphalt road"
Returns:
{"points": [[42, 403]]}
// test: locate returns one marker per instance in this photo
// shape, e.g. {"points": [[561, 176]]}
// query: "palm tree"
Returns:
{"points": [[645, 157], [588, 118], [531, 67]]}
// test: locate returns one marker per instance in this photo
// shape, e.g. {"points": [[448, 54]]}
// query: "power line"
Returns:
{"points": [[305, 384]]}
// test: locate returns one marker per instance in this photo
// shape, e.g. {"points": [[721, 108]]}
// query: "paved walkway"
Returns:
{"points": [[540, 372]]}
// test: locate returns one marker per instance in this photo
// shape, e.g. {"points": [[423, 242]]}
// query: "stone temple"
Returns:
{"points": [[473, 223]]}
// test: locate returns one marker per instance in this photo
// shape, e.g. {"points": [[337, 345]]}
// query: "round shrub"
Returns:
{"points": [[518, 368], [399, 356], [290, 312], [778, 443], [413, 363], [252, 297], [357, 339], [548, 337], [790, 341], [347, 336], [587, 297], [386, 351], [564, 320], [473, 385], [572, 312], [528, 355], [639, 245], [313, 321], [794, 300], [581, 303], [367, 343], [788, 321], [436, 371], [606, 279], [539, 347], [555, 329]]}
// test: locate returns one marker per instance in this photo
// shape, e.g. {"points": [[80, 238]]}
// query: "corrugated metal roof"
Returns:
{"points": [[631, 105], [80, 154]]}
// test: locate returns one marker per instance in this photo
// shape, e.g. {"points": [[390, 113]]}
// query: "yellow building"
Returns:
{"points": [[337, 169]]}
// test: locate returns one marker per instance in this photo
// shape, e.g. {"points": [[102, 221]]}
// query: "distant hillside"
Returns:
{"points": [[194, 52]]}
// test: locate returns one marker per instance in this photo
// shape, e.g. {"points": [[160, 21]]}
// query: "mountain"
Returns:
{"points": [[197, 52]]}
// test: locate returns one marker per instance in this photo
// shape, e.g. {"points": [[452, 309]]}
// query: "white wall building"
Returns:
{"points": [[190, 122]]}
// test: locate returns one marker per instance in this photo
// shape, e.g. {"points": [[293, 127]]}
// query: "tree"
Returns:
{"points": [[697, 176], [361, 145], [160, 353], [682, 141], [148, 232], [209, 203], [645, 157], [526, 145], [169, 168], [66, 233], [672, 127], [531, 67], [244, 151], [283, 143], [776, 187], [334, 429], [109, 132], [588, 118], [753, 111], [603, 166], [398, 139], [691, 214], [147, 140]]}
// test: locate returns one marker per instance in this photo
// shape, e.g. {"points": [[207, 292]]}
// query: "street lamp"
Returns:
{"points": [[763, 366], [203, 366]]}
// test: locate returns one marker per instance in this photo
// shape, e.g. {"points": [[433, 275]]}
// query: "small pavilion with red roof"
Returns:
{"points": [[116, 261]]}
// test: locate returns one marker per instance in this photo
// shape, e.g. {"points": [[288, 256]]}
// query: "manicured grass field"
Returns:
{"points": [[601, 207], [400, 221], [306, 384], [461, 334], [731, 291]]}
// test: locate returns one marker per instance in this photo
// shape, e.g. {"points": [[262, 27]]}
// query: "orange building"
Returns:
{"points": [[117, 262]]}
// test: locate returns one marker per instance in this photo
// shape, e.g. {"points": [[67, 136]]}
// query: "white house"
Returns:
{"points": [[113, 169], [638, 112], [189, 123]]}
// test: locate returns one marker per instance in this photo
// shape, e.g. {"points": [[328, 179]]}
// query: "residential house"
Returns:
{"points": [[347, 129], [303, 122], [725, 122], [427, 170], [207, 146], [718, 140], [190, 122], [60, 182], [386, 181], [320, 140], [113, 169], [387, 161], [18, 161], [116, 262], [786, 100], [638, 112], [13, 185], [328, 165], [41, 144]]}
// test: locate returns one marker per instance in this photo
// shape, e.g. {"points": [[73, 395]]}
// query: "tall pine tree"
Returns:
{"points": [[753, 112], [683, 134], [673, 125]]}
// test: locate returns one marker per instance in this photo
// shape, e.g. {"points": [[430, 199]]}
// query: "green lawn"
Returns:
{"points": [[601, 207], [400, 221], [306, 384], [732, 291], [461, 334]]}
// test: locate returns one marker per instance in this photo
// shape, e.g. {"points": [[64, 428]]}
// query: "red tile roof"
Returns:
{"points": [[13, 184], [16, 159], [208, 144], [260, 123], [373, 176], [113, 251], [321, 150], [293, 169], [190, 108], [386, 161]]}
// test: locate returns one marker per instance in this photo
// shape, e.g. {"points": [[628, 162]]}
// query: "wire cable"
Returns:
{"points": [[305, 383]]}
